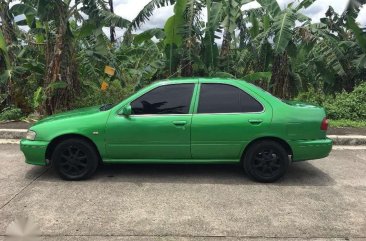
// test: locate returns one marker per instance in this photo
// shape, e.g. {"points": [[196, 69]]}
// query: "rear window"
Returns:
{"points": [[223, 98]]}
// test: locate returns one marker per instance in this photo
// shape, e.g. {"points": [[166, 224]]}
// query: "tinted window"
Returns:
{"points": [[169, 99], [222, 98]]}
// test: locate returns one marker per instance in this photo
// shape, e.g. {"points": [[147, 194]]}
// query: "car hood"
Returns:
{"points": [[70, 114]]}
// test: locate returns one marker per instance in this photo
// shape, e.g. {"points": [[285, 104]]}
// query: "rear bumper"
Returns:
{"points": [[310, 149], [34, 151]]}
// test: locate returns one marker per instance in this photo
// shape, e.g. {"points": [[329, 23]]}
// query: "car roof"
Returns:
{"points": [[200, 80], [219, 80]]}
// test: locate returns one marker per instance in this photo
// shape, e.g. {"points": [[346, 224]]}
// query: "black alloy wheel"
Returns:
{"points": [[75, 159], [266, 161]]}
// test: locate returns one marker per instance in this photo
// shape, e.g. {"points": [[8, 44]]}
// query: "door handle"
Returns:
{"points": [[255, 122], [180, 123]]}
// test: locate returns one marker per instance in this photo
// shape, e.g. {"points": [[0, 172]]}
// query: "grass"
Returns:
{"points": [[347, 123]]}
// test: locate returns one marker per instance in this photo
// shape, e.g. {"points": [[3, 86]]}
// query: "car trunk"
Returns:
{"points": [[306, 121]]}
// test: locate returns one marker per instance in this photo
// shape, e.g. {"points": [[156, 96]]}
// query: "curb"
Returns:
{"points": [[12, 133], [348, 140], [342, 140]]}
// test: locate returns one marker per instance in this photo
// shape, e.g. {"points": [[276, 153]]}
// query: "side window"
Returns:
{"points": [[223, 98], [168, 99]]}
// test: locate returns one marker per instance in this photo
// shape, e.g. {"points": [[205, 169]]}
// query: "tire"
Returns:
{"points": [[75, 159], [266, 161]]}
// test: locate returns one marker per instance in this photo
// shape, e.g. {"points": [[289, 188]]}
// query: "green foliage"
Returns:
{"points": [[283, 25], [266, 76], [210, 50], [38, 97], [4, 51], [348, 105], [341, 106], [313, 96], [304, 4], [174, 24], [322, 63], [93, 95], [271, 6], [347, 123], [148, 35], [11, 113], [110, 19], [147, 11]]}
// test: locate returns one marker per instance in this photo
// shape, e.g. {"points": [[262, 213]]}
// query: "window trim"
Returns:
{"points": [[191, 104], [227, 113]]}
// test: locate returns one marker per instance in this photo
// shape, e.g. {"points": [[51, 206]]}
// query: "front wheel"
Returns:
{"points": [[75, 159], [266, 161]]}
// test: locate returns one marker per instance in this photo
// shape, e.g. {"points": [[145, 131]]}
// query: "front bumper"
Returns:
{"points": [[310, 149], [34, 151]]}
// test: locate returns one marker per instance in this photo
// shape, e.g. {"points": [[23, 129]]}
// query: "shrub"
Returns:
{"points": [[93, 95], [312, 96], [351, 106], [345, 105], [11, 113], [347, 123]]}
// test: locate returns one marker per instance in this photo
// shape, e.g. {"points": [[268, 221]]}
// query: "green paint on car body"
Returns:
{"points": [[185, 138]]}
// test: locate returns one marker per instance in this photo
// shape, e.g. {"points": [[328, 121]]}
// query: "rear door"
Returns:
{"points": [[225, 120]]}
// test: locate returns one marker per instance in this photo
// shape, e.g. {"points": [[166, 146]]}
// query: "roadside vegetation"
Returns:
{"points": [[53, 54]]}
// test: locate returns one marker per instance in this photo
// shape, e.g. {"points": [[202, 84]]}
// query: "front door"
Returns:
{"points": [[227, 118], [158, 128]]}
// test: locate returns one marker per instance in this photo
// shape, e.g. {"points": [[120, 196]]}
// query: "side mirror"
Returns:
{"points": [[126, 111]]}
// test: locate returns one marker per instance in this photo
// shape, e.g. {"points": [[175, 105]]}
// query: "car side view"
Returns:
{"points": [[195, 120]]}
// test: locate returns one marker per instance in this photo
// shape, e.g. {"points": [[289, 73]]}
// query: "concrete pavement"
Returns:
{"points": [[318, 200]]}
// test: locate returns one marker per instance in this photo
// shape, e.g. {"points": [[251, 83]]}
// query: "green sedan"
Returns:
{"points": [[195, 120]]}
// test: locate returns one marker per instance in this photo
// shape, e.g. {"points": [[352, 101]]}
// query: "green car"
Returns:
{"points": [[195, 120]]}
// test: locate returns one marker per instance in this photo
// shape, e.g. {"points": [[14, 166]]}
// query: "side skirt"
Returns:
{"points": [[171, 161]]}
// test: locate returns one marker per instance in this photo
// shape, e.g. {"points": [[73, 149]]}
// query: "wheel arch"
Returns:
{"points": [[55, 141], [282, 142]]}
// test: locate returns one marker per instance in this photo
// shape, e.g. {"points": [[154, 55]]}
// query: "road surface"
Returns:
{"points": [[317, 200]]}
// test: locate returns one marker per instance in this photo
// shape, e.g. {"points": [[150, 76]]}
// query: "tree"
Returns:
{"points": [[144, 16], [61, 81], [61, 56], [7, 39]]}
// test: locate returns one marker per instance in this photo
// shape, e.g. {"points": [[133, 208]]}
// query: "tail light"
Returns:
{"points": [[324, 125]]}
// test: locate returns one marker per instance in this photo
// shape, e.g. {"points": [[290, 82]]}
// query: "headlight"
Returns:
{"points": [[31, 135]]}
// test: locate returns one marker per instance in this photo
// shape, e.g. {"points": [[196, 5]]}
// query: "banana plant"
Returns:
{"points": [[139, 63], [192, 36], [5, 67], [231, 14], [279, 30], [173, 34], [144, 16], [55, 20], [210, 50], [350, 15]]}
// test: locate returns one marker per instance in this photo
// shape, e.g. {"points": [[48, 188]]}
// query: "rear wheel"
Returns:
{"points": [[266, 161], [75, 159]]}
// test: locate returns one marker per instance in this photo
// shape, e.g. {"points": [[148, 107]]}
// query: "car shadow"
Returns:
{"points": [[306, 174], [299, 174]]}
